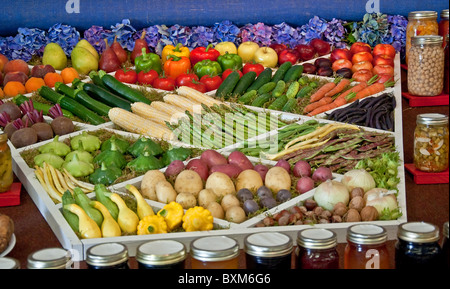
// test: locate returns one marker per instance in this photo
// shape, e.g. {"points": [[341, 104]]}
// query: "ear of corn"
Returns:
{"points": [[148, 112], [183, 102], [197, 96], [170, 109]]}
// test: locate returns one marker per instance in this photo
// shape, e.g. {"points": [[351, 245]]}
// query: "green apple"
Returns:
{"points": [[247, 50], [226, 46], [267, 56]]}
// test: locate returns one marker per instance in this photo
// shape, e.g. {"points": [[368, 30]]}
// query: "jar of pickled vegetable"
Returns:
{"points": [[431, 142], [420, 23], [6, 172], [268, 250], [418, 247], [161, 254], [366, 247], [316, 249], [446, 68], [443, 25], [107, 256], [426, 66], [215, 252], [446, 245]]}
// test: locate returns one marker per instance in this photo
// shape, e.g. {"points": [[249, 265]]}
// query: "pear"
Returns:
{"points": [[54, 55], [86, 45], [119, 50], [83, 60], [138, 45], [109, 61]]}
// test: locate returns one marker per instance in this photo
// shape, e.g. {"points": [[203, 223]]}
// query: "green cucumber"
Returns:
{"points": [[293, 89], [247, 97], [227, 86], [261, 100], [268, 87], [304, 91], [243, 83], [105, 96], [122, 89], [18, 100], [289, 105], [293, 73], [281, 71], [279, 88], [264, 77], [304, 80], [278, 103]]}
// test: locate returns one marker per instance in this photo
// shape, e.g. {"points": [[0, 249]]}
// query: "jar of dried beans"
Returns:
{"points": [[426, 66], [431, 142], [420, 23]]}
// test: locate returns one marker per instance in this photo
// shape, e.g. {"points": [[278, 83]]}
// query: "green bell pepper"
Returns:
{"points": [[105, 175], [230, 60], [144, 144], [207, 67], [147, 62], [173, 154], [145, 162]]}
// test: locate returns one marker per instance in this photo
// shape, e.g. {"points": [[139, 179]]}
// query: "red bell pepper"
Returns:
{"points": [[201, 53], [147, 77], [126, 76]]}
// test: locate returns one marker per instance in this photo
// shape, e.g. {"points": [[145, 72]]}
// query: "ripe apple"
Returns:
{"points": [[3, 60], [339, 53], [266, 56], [341, 63], [362, 75], [322, 47], [385, 49], [362, 56], [288, 54], [360, 47], [16, 65], [383, 59], [246, 50], [226, 46], [306, 51], [383, 77], [278, 47], [383, 68], [362, 65]]}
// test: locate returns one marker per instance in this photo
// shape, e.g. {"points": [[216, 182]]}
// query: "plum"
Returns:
{"points": [[344, 72], [309, 68], [325, 71], [323, 62]]}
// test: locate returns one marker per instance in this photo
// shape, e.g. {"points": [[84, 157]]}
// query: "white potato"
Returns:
{"points": [[149, 180], [249, 179], [165, 192], [188, 181], [235, 214], [229, 201], [278, 178], [221, 184], [186, 200], [205, 197], [216, 210]]}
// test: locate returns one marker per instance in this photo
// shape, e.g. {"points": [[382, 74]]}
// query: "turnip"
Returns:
{"points": [[304, 184], [284, 164], [230, 170], [321, 174], [302, 169]]}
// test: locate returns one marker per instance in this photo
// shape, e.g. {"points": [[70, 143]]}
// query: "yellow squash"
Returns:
{"points": [[87, 227], [110, 228], [127, 219], [143, 208]]}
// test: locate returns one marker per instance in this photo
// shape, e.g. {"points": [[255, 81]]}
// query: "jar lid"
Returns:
{"points": [[317, 239], [366, 234], [268, 244], [49, 258], [9, 263], [418, 232], [432, 119], [427, 39], [161, 252], [422, 14], [214, 248], [444, 14], [445, 229], [105, 255], [3, 137]]}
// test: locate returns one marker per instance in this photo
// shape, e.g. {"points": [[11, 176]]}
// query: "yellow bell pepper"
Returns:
{"points": [[178, 50], [153, 224], [172, 214], [197, 219]]}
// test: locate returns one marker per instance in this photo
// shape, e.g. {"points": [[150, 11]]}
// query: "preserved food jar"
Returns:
{"points": [[107, 256], [443, 25], [417, 247], [445, 246], [420, 23], [215, 252], [161, 254], [268, 250], [316, 249], [366, 247], [431, 142], [426, 66], [446, 68], [9, 263], [6, 172], [50, 258]]}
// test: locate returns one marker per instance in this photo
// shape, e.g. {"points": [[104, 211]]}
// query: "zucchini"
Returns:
{"points": [[289, 105], [105, 96], [279, 88], [268, 87], [304, 91], [122, 89], [264, 77], [293, 73], [278, 103], [247, 97], [281, 71], [71, 105], [96, 79], [96, 106], [227, 86], [261, 100], [293, 89], [18, 100], [244, 82], [64, 89]]}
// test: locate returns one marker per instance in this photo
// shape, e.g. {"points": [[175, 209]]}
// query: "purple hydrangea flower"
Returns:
{"points": [[226, 31], [64, 35], [124, 33], [152, 36], [335, 33], [201, 36], [96, 36], [314, 29], [397, 33], [283, 33], [259, 33]]}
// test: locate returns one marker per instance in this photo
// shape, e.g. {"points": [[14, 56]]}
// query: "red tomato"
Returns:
{"points": [[126, 76], [228, 71], [196, 85], [256, 67], [183, 78], [147, 77], [211, 82], [164, 83]]}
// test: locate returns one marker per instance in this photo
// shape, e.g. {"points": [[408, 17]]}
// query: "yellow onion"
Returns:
{"points": [[381, 198], [358, 178], [331, 192]]}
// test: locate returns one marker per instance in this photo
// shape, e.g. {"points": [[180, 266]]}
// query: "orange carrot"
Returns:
{"points": [[316, 104], [339, 87], [357, 88], [372, 89], [320, 93]]}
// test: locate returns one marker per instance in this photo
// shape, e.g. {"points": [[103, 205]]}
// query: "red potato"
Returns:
{"points": [[304, 184], [284, 164], [241, 160], [230, 170], [302, 169], [174, 168], [321, 174], [262, 170], [199, 167], [213, 158]]}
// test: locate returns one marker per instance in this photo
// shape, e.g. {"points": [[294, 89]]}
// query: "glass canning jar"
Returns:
{"points": [[107, 256], [420, 23], [215, 252], [426, 66], [50, 258], [268, 250], [431, 142], [443, 25], [316, 249], [6, 172], [445, 245], [161, 254]]}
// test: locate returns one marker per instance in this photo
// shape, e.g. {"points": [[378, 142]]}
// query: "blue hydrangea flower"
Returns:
{"points": [[152, 36], [96, 36], [372, 30], [259, 33], [283, 33], [64, 35], [124, 34], [33, 40], [201, 36], [179, 34], [314, 29], [15, 50], [226, 31], [335, 33], [397, 33]]}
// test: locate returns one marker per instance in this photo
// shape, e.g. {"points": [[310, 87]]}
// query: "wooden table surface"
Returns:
{"points": [[429, 203]]}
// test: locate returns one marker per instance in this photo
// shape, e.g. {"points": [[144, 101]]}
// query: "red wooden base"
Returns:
{"points": [[423, 178], [12, 197]]}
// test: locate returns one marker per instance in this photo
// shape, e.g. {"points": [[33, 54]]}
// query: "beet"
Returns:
{"points": [[24, 137], [62, 125], [11, 109], [43, 130]]}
